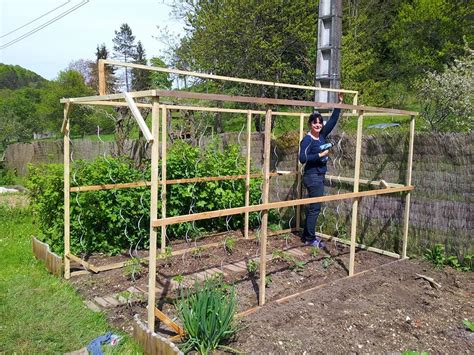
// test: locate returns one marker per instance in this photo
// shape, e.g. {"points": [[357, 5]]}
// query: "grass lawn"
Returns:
{"points": [[40, 313]]}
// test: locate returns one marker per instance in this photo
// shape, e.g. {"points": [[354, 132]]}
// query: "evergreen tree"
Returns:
{"points": [[125, 50], [140, 77], [110, 78]]}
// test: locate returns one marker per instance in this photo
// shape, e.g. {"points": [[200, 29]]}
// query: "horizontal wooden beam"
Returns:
{"points": [[226, 110], [276, 102], [137, 184], [121, 96], [274, 205], [231, 98], [224, 78]]}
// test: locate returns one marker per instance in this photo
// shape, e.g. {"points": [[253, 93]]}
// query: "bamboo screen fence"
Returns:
{"points": [[156, 139]]}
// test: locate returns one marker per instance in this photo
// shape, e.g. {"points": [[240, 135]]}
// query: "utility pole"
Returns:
{"points": [[328, 56]]}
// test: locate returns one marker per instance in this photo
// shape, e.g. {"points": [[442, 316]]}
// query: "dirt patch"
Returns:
{"points": [[386, 308]]}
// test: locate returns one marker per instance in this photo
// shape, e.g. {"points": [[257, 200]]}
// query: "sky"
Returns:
{"points": [[77, 34]]}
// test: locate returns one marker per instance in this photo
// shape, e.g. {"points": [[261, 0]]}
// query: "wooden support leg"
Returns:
{"points": [[406, 214], [355, 202], [153, 212], [266, 184], [67, 217]]}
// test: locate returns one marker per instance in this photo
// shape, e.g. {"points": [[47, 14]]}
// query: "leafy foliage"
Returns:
{"points": [[208, 317], [112, 221], [437, 256], [448, 97], [469, 325]]}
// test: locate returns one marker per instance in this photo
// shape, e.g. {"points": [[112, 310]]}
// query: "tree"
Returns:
{"points": [[84, 67], [266, 40], [69, 83], [110, 78], [140, 77], [428, 34], [448, 98], [159, 80], [125, 50]]}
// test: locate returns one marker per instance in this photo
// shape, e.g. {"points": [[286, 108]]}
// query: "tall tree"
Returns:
{"points": [[140, 77], [110, 78], [125, 50], [267, 40]]}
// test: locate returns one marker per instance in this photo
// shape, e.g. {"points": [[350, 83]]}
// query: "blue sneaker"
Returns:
{"points": [[317, 243]]}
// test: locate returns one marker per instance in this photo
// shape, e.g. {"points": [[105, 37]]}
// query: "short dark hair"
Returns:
{"points": [[314, 117]]}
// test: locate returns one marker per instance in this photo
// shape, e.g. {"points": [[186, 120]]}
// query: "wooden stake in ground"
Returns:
{"points": [[247, 171], [67, 194], [355, 201], [406, 214], [155, 123], [266, 184]]}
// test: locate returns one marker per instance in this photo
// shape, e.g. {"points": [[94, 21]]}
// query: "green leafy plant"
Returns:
{"points": [[298, 265], [229, 244], [208, 317], [327, 261], [7, 177], [133, 269], [268, 281], [314, 251], [119, 217], [469, 325], [197, 252], [435, 255], [179, 279], [252, 267], [166, 255]]}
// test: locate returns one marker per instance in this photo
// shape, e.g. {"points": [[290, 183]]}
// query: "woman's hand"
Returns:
{"points": [[324, 153], [340, 96]]}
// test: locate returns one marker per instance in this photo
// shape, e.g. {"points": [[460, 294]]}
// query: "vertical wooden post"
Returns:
{"points": [[406, 214], [355, 201], [299, 192], [155, 130], [247, 178], [354, 102], [67, 193], [102, 82], [266, 185], [163, 174]]}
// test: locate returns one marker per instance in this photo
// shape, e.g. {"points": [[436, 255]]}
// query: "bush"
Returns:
{"points": [[112, 221], [7, 177], [108, 221], [208, 317]]}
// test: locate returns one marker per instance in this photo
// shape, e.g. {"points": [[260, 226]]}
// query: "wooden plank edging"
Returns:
{"points": [[151, 342], [52, 261]]}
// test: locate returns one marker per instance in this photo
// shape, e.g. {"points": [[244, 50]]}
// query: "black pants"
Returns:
{"points": [[315, 185]]}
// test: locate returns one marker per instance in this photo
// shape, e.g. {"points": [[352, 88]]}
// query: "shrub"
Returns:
{"points": [[208, 317], [7, 177], [108, 221], [112, 221]]}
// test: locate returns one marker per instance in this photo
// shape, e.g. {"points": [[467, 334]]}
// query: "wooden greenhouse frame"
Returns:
{"points": [[155, 138]]}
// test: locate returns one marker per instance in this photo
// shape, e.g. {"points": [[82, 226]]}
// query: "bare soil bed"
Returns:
{"points": [[386, 308]]}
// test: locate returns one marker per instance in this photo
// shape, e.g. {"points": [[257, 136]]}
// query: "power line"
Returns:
{"points": [[36, 19], [54, 19]]}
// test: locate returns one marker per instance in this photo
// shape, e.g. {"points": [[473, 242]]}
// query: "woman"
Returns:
{"points": [[315, 161]]}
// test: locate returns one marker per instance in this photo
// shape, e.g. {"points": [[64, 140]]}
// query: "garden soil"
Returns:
{"points": [[387, 307]]}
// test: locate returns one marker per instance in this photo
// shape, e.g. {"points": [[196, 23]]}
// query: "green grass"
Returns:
{"points": [[40, 313]]}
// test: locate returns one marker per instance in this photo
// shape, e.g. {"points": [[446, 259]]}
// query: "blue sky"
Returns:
{"points": [[77, 35]]}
